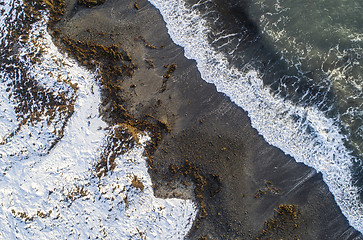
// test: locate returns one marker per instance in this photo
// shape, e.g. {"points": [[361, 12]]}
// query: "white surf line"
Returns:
{"points": [[54, 196], [272, 116]]}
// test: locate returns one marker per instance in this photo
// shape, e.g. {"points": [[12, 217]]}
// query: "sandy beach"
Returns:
{"points": [[245, 188]]}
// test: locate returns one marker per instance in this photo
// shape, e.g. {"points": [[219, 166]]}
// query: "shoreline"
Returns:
{"points": [[209, 132]]}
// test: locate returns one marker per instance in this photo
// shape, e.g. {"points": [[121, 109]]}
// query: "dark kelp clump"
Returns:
{"points": [[90, 3], [268, 189], [167, 75], [136, 5], [285, 221], [146, 43], [136, 183]]}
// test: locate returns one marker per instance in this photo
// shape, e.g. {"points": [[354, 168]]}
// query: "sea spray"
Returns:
{"points": [[305, 133]]}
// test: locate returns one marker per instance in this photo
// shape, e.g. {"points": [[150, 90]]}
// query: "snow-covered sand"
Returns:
{"points": [[49, 193]]}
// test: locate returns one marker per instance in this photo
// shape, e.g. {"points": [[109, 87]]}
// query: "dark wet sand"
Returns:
{"points": [[208, 131]]}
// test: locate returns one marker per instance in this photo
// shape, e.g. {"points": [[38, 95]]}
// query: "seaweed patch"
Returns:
{"points": [[167, 75], [146, 43], [188, 169], [136, 5], [150, 63], [136, 183], [268, 189], [285, 221], [90, 3]]}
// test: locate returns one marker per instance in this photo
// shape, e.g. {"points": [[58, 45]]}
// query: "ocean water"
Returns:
{"points": [[52, 136], [296, 68]]}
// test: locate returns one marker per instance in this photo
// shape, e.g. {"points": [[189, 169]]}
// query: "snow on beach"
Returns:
{"points": [[48, 188]]}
